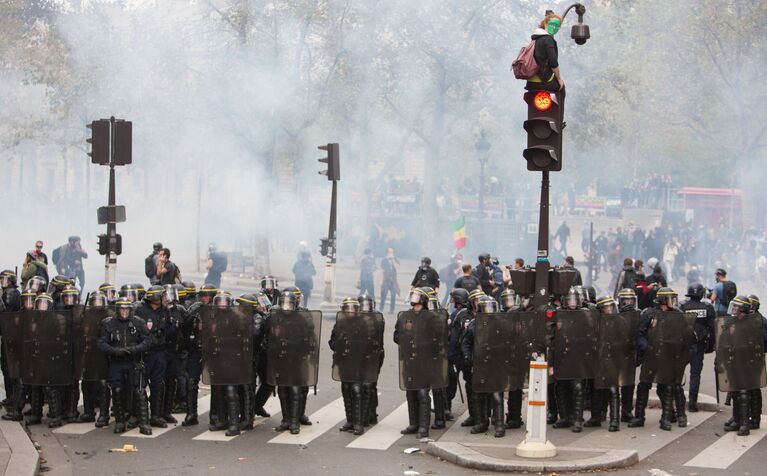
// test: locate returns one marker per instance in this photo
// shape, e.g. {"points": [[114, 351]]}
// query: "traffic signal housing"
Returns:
{"points": [[110, 245], [333, 171], [123, 131], [99, 141], [544, 131], [324, 246]]}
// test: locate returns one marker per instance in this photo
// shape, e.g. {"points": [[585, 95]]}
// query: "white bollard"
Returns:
{"points": [[535, 444]]}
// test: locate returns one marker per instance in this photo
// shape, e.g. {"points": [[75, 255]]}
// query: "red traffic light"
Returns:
{"points": [[542, 101]]}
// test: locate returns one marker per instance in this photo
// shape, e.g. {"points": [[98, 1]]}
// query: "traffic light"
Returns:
{"points": [[324, 246], [99, 141], [334, 167], [544, 131], [123, 141], [113, 245]]}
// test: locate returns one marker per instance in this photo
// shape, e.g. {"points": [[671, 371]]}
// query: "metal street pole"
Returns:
{"points": [[590, 277], [542, 257], [110, 266], [329, 294]]}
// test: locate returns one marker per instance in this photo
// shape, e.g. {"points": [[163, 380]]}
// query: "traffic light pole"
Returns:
{"points": [[110, 266], [329, 295], [542, 259]]}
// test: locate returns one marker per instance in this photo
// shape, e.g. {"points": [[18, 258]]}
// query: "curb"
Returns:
{"points": [[25, 459], [461, 455]]}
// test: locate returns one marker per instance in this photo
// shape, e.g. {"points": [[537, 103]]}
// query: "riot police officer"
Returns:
{"points": [[128, 293], [456, 363], [162, 330], [175, 371], [190, 338], [370, 389], [350, 391], [509, 303], [69, 296], [269, 288], [110, 292], [606, 306], [704, 334], [96, 393], [230, 393], [627, 302], [10, 301], [260, 349], [124, 339]]}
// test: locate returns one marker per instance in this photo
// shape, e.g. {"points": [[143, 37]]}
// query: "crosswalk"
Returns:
{"points": [[717, 450]]}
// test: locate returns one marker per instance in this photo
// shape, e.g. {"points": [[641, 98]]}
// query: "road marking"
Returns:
{"points": [[727, 449], [76, 428], [385, 433], [323, 420]]}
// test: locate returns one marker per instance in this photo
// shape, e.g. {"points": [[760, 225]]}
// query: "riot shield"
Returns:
{"points": [[90, 363], [617, 349], [11, 325], [668, 351], [227, 345], [740, 353], [575, 344], [358, 347], [294, 348], [47, 356], [496, 342], [423, 340]]}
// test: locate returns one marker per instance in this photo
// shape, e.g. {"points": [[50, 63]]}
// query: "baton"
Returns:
{"points": [[716, 382], [458, 384]]}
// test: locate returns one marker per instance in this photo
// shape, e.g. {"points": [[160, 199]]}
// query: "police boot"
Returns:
{"points": [[552, 404], [615, 409], [514, 406], [346, 394], [667, 404], [480, 413], [302, 418], [233, 412], [471, 420], [89, 404], [262, 395], [756, 409], [36, 405], [167, 401], [54, 408], [16, 404], [139, 397], [117, 396], [643, 394], [366, 394], [283, 395], [564, 398], [356, 397], [597, 407], [733, 424], [294, 409], [424, 412], [679, 403], [372, 417], [412, 412], [627, 403], [498, 416], [72, 394], [156, 399], [191, 403], [578, 406], [368, 389], [744, 407], [246, 412], [105, 398], [439, 409]]}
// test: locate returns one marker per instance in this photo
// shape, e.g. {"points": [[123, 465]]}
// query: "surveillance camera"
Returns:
{"points": [[580, 33]]}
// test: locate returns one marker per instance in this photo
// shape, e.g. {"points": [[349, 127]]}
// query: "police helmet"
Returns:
{"points": [[123, 305], [170, 294], [667, 296], [696, 292], [247, 299], [223, 300], [459, 297], [7, 279], [627, 300], [296, 292], [509, 299], [483, 257], [573, 299], [754, 302], [44, 302], [97, 299], [190, 288], [425, 261], [154, 294], [419, 296], [487, 305], [181, 291], [474, 298], [208, 290], [109, 291], [57, 284], [128, 293], [288, 301], [367, 303], [268, 283], [36, 284], [70, 295], [350, 304], [739, 305], [28, 299], [140, 291], [606, 305]]}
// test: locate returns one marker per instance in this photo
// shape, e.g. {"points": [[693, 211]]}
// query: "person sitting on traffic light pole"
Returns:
{"points": [[546, 55]]}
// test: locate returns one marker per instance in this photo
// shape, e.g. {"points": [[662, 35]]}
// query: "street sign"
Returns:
{"points": [[111, 214]]}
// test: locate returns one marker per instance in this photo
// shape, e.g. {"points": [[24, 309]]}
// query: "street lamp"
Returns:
{"points": [[580, 31], [482, 147]]}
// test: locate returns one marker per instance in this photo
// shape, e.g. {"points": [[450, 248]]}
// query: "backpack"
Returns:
{"points": [[730, 291], [525, 66], [56, 256]]}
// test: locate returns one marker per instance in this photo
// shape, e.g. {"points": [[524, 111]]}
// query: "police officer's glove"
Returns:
{"points": [[122, 352]]}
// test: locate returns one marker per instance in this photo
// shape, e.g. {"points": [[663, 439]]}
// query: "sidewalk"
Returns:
{"points": [[18, 455]]}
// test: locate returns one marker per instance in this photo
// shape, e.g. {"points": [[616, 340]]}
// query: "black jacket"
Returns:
{"points": [[426, 276], [483, 274], [704, 321], [160, 326], [118, 336]]}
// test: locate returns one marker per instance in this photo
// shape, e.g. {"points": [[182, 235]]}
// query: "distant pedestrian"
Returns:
{"points": [[31, 267], [563, 235], [216, 265], [389, 285], [303, 275], [70, 260], [167, 271], [724, 291], [39, 252], [468, 281], [367, 267], [150, 264]]}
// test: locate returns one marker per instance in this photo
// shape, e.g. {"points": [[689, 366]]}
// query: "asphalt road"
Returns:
{"points": [[322, 449]]}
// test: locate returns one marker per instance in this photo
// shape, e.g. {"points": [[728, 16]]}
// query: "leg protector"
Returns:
{"points": [[615, 409], [680, 404], [54, 407], [191, 403], [284, 395], [36, 404], [262, 395], [117, 393], [597, 407], [412, 412], [564, 397], [156, 398], [357, 414], [744, 407], [480, 413], [302, 418], [295, 407], [439, 408], [514, 406], [346, 395], [167, 402], [667, 406], [424, 412], [139, 399], [756, 409], [498, 415], [627, 403], [643, 395], [105, 398], [232, 410], [578, 406]]}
